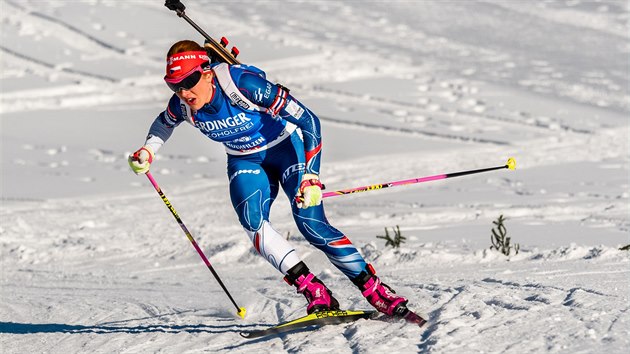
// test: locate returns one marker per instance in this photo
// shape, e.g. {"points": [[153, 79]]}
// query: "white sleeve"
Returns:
{"points": [[155, 142]]}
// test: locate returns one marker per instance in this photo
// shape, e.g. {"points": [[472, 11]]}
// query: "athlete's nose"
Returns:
{"points": [[185, 93]]}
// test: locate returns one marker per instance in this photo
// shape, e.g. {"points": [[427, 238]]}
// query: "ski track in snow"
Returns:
{"points": [[92, 262], [81, 74]]}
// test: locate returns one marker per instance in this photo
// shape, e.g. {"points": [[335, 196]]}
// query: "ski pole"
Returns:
{"points": [[511, 164], [241, 310], [219, 49]]}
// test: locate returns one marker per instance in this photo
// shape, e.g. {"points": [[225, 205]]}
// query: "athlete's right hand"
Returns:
{"points": [[140, 160]]}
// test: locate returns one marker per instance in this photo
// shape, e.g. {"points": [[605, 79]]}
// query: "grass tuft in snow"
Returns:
{"points": [[499, 239], [396, 240]]}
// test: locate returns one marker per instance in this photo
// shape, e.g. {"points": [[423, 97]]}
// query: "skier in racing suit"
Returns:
{"points": [[272, 141]]}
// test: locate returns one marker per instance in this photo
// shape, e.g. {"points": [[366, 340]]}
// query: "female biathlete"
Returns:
{"points": [[272, 141]]}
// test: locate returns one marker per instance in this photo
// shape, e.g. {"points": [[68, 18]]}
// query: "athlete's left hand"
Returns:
{"points": [[310, 192]]}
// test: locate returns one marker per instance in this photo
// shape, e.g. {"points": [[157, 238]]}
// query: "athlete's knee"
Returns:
{"points": [[316, 230], [273, 247], [250, 221]]}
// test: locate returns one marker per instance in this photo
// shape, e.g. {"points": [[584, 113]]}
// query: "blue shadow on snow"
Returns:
{"points": [[28, 328]]}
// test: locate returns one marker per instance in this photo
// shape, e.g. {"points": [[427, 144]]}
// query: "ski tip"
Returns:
{"points": [[511, 163], [241, 312]]}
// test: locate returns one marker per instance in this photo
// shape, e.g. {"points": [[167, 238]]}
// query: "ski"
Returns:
{"points": [[315, 319], [323, 318]]}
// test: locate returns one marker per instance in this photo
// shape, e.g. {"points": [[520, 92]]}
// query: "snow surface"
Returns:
{"points": [[92, 261]]}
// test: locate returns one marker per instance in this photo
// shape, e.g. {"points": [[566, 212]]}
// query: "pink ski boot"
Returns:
{"points": [[380, 295], [316, 293]]}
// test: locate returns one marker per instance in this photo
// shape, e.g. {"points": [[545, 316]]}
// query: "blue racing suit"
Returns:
{"points": [[271, 140]]}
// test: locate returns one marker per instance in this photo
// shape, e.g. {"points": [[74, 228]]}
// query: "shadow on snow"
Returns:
{"points": [[29, 328]]}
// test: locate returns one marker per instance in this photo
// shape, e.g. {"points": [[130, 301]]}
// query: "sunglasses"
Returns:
{"points": [[185, 82]]}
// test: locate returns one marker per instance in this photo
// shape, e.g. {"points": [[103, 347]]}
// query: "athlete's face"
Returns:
{"points": [[199, 94]]}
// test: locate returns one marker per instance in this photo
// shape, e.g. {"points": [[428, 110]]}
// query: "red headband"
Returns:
{"points": [[181, 64]]}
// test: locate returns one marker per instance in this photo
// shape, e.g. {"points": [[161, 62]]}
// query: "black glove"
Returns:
{"points": [[175, 5]]}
